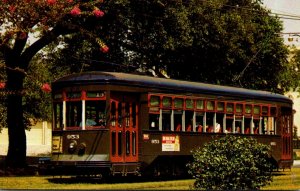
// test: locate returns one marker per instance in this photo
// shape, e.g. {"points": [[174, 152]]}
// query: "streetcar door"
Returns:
{"points": [[286, 137], [124, 130]]}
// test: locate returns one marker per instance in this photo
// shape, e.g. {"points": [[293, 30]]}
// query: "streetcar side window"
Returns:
{"points": [[229, 124], [120, 115], [273, 120], [134, 112], [210, 117], [154, 112], [247, 123], [200, 122], [154, 121], [154, 101], [189, 104], [220, 117], [127, 115], [113, 112], [256, 126], [189, 122], [178, 120], [167, 102], [166, 120]]}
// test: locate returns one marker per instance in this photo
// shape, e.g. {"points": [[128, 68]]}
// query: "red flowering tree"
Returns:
{"points": [[45, 20]]}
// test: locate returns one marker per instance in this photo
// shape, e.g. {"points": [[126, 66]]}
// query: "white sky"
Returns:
{"points": [[285, 8]]}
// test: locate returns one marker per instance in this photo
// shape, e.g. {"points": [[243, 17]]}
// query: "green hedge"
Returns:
{"points": [[231, 162]]}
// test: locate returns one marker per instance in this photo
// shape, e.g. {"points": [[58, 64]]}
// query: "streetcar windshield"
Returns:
{"points": [[95, 114], [79, 115]]}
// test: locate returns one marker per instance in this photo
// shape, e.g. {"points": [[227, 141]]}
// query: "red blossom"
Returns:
{"points": [[98, 13], [23, 35], [46, 88], [70, 1], [51, 2], [104, 49], [75, 10], [2, 85], [12, 8]]}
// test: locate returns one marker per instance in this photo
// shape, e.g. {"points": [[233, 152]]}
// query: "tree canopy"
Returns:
{"points": [[225, 42]]}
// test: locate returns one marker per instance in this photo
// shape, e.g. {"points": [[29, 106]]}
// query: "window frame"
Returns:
{"points": [[193, 104], [224, 107], [204, 104], [157, 108], [214, 106], [235, 108]]}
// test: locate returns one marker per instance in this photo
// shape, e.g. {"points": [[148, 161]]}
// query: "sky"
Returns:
{"points": [[287, 9]]}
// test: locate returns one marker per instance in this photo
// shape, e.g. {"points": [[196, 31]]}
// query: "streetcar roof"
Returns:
{"points": [[135, 80]]}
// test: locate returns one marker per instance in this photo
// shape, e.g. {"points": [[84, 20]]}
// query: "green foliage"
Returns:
{"points": [[234, 43], [225, 42], [291, 76], [231, 163], [40, 71]]}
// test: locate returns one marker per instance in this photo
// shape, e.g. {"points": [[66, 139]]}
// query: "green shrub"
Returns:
{"points": [[231, 162]]}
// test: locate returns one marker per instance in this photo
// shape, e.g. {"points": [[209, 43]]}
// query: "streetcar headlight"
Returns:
{"points": [[81, 148], [72, 146]]}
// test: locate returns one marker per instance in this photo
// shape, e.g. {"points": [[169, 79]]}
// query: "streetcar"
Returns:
{"points": [[109, 123]]}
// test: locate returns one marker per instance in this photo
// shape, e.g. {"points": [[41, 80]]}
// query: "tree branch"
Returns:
{"points": [[20, 42], [44, 41]]}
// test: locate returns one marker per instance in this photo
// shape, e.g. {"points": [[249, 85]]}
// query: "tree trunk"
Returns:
{"points": [[16, 155]]}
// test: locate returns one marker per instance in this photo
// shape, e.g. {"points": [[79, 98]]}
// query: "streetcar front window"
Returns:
{"points": [[58, 115], [95, 114], [74, 114]]}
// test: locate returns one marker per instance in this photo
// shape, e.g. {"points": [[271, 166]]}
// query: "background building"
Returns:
{"points": [[38, 140]]}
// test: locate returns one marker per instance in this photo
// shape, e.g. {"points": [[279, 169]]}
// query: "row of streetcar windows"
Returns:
{"points": [[166, 113], [170, 113]]}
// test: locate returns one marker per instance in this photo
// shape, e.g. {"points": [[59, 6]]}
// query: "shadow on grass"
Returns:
{"points": [[110, 180]]}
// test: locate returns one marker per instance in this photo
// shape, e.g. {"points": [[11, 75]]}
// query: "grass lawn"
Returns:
{"points": [[283, 180], [287, 180]]}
